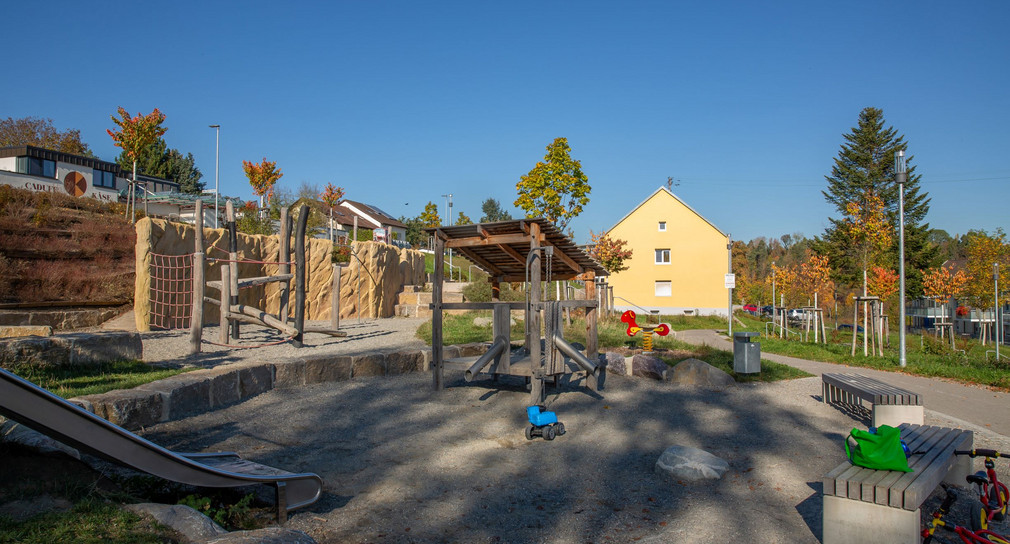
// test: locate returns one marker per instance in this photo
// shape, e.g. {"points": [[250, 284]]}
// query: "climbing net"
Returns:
{"points": [[171, 291]]}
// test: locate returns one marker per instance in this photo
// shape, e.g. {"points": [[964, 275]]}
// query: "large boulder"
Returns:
{"points": [[684, 463], [648, 366], [701, 374], [615, 363], [12, 431], [192, 525]]}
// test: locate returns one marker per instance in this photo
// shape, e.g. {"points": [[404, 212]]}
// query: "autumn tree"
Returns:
{"points": [[429, 217], [610, 252], [262, 177], [785, 278], [493, 212], [814, 276], [39, 132], [555, 188], [984, 249], [942, 284], [331, 198], [882, 282], [134, 134], [463, 219], [864, 166], [865, 226]]}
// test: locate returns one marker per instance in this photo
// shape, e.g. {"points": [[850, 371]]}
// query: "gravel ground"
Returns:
{"points": [[401, 463]]}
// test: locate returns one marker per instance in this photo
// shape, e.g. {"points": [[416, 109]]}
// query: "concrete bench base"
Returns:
{"points": [[889, 414], [876, 523]]}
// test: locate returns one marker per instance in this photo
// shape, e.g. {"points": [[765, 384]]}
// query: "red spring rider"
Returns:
{"points": [[633, 328]]}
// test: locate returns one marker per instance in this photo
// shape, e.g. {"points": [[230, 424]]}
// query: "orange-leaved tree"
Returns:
{"points": [[331, 197], [941, 284], [262, 177], [786, 283], [134, 134], [882, 282], [610, 252]]}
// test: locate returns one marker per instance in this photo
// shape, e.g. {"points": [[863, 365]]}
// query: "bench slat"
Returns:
{"points": [[919, 438], [870, 389]]}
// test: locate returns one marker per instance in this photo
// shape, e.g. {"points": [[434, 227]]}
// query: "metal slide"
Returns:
{"points": [[49, 414]]}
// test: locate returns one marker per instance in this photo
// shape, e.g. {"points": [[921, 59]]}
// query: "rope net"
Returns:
{"points": [[171, 291]]}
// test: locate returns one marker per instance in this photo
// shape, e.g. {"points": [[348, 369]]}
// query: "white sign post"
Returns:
{"points": [[730, 281]]}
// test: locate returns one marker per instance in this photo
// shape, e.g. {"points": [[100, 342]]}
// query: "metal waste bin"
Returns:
{"points": [[746, 354]]}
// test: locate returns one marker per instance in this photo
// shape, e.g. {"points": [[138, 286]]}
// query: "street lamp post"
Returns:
{"points": [[900, 176], [217, 167], [448, 221], [995, 308]]}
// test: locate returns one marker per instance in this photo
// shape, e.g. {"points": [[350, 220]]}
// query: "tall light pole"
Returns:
{"points": [[217, 167], [448, 220], [995, 308], [900, 176]]}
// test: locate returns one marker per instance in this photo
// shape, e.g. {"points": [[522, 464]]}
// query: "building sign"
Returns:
{"points": [[75, 184]]}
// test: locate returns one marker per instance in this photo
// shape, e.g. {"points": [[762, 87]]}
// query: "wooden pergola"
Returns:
{"points": [[529, 251]]}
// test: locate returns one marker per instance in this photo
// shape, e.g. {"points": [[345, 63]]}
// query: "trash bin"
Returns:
{"points": [[746, 354]]}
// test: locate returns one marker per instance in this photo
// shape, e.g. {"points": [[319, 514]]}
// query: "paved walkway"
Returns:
{"points": [[976, 405]]}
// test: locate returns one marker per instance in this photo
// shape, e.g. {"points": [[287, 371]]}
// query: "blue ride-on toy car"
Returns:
{"points": [[543, 423]]}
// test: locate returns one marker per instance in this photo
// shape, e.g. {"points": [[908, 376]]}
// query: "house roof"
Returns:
{"points": [[50, 155], [667, 191], [501, 249], [372, 213]]}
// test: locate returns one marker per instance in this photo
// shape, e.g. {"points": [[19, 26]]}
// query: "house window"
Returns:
{"points": [[662, 256], [36, 167], [662, 226], [664, 289], [103, 179]]}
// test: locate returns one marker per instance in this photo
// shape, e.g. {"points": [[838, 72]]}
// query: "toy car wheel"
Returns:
{"points": [[559, 428], [529, 433], [549, 432], [977, 518]]}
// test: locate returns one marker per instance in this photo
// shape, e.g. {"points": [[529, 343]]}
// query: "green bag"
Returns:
{"points": [[881, 450]]}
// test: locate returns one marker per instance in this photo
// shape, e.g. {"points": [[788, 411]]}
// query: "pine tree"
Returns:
{"points": [[865, 165]]}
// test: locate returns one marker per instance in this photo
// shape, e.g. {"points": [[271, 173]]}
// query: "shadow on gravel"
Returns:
{"points": [[402, 463]]}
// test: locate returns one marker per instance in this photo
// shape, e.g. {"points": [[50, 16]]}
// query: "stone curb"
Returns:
{"points": [[72, 349], [202, 390]]}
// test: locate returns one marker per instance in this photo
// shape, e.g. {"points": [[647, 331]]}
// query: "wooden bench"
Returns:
{"points": [[866, 505], [889, 405]]}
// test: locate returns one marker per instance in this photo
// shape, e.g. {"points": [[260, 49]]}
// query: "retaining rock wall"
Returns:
{"points": [[379, 271]]}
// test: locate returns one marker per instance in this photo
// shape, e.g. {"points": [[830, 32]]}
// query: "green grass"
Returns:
{"points": [[612, 333], [924, 355], [76, 381], [90, 521]]}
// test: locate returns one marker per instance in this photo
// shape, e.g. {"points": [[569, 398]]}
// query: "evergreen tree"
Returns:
{"points": [[493, 212], [156, 159], [865, 165]]}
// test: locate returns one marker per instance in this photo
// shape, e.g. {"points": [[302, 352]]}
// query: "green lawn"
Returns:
{"points": [[924, 355], [612, 333], [76, 381]]}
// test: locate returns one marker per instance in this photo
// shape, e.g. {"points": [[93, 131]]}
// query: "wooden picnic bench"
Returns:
{"points": [[867, 505], [889, 405]]}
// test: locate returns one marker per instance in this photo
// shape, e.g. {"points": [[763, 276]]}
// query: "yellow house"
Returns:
{"points": [[679, 260]]}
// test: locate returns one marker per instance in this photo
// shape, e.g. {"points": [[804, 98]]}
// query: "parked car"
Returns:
{"points": [[767, 310], [847, 327], [796, 314], [751, 308]]}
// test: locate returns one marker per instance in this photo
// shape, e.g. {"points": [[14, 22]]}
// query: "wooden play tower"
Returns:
{"points": [[528, 251]]}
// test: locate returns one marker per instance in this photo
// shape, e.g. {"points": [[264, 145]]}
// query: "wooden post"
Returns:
{"points": [[501, 324], [355, 239], [817, 316], [303, 218], [536, 295], [233, 265], [196, 322], [592, 341], [283, 256], [225, 303], [437, 362], [335, 297], [855, 324]]}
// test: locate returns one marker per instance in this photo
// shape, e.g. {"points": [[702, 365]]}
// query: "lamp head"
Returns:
{"points": [[899, 162], [214, 126]]}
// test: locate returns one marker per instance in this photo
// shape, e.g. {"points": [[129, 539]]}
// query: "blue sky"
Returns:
{"points": [[744, 103]]}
